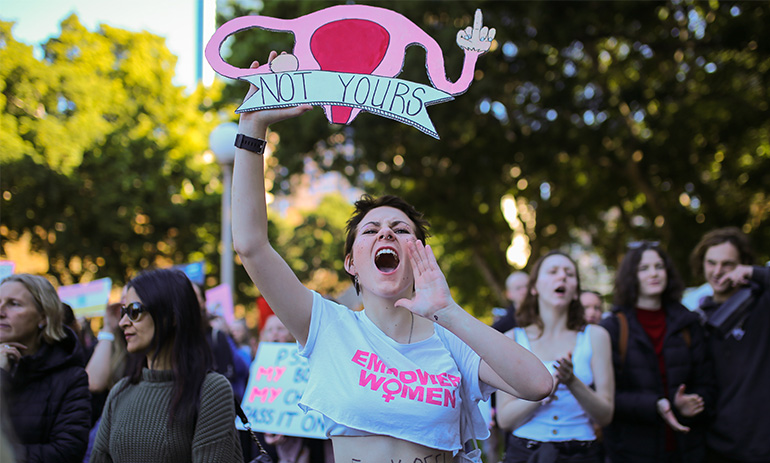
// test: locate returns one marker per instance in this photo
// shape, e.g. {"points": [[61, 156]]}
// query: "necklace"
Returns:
{"points": [[411, 330]]}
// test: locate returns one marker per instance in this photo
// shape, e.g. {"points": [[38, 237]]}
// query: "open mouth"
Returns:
{"points": [[386, 260], [561, 289]]}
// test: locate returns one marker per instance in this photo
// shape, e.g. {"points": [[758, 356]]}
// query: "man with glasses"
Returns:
{"points": [[737, 318]]}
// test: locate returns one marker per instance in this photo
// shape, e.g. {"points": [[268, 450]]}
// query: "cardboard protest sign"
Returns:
{"points": [[219, 301], [87, 299], [346, 59], [278, 379], [195, 271], [6, 268]]}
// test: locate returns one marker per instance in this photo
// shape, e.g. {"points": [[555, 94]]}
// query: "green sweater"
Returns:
{"points": [[134, 426]]}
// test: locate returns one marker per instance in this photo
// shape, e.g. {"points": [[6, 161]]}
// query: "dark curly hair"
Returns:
{"points": [[716, 237], [529, 312], [626, 290]]}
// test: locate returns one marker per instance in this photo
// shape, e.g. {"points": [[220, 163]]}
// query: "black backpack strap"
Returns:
{"points": [[239, 411]]}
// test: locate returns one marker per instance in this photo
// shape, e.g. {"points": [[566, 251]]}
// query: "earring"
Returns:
{"points": [[356, 284]]}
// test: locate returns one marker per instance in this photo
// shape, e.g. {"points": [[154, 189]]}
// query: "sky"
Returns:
{"points": [[38, 20]]}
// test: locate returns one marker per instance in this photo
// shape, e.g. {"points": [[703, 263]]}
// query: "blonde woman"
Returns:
{"points": [[45, 385]]}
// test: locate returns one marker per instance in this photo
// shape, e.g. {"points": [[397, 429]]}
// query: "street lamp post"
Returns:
{"points": [[221, 142]]}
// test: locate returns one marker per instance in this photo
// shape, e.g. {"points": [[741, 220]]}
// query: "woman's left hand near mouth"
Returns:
{"points": [[431, 292]]}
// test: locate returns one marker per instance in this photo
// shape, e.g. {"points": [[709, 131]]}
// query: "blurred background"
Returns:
{"points": [[589, 125]]}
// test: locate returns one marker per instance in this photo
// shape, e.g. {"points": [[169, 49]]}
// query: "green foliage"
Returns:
{"points": [[104, 160], [616, 121], [313, 244]]}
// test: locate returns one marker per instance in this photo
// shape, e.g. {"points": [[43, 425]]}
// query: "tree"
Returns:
{"points": [[103, 157], [312, 244], [613, 121]]}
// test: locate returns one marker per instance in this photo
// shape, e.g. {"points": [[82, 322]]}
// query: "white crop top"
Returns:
{"points": [[363, 382], [563, 418]]}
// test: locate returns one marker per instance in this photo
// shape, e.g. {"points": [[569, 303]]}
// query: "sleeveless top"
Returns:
{"points": [[563, 418]]}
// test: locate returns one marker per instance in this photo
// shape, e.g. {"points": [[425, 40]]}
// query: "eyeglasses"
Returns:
{"points": [[134, 311], [641, 244]]}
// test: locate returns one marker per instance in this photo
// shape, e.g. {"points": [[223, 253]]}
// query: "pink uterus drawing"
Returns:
{"points": [[356, 39]]}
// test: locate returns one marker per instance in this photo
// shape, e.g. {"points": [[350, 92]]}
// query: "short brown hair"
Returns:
{"points": [[716, 237], [367, 203]]}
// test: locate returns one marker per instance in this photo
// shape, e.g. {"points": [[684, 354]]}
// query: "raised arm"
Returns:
{"points": [[288, 298], [504, 363], [99, 366]]}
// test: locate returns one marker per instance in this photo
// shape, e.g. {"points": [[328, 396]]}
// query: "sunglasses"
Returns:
{"points": [[134, 311]]}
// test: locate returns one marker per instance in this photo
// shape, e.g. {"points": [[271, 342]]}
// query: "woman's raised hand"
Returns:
{"points": [[255, 123], [431, 292]]}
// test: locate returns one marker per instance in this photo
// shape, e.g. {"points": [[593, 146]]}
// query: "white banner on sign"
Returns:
{"points": [[277, 380], [397, 99]]}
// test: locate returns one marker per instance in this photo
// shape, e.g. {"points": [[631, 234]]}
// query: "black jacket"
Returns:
{"points": [[49, 403], [741, 426], [507, 321], [637, 433]]}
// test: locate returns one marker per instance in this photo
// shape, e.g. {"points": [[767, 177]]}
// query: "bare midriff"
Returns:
{"points": [[385, 449]]}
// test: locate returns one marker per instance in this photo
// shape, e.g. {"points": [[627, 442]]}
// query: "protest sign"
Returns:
{"points": [[345, 59], [87, 299], [195, 272], [219, 302], [278, 379], [6, 268]]}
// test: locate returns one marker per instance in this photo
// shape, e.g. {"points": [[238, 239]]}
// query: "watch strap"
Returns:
{"points": [[255, 145]]}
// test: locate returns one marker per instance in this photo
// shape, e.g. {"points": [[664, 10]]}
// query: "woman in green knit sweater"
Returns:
{"points": [[171, 409]]}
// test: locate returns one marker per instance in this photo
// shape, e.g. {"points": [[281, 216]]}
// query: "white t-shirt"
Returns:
{"points": [[364, 382]]}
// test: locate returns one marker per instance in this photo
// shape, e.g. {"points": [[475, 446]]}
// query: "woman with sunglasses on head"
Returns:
{"points": [[391, 380], [41, 371], [559, 428], [664, 377], [171, 408]]}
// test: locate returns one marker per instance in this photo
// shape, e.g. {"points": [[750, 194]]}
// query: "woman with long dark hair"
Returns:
{"points": [[664, 377], [171, 408], [559, 428]]}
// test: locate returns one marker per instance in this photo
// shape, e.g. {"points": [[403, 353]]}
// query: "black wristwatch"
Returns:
{"points": [[255, 145]]}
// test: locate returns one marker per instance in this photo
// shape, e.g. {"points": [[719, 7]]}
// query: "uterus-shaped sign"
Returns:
{"points": [[346, 59]]}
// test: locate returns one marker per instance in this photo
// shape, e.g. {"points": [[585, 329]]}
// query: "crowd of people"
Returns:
{"points": [[400, 379], [687, 384], [647, 381]]}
